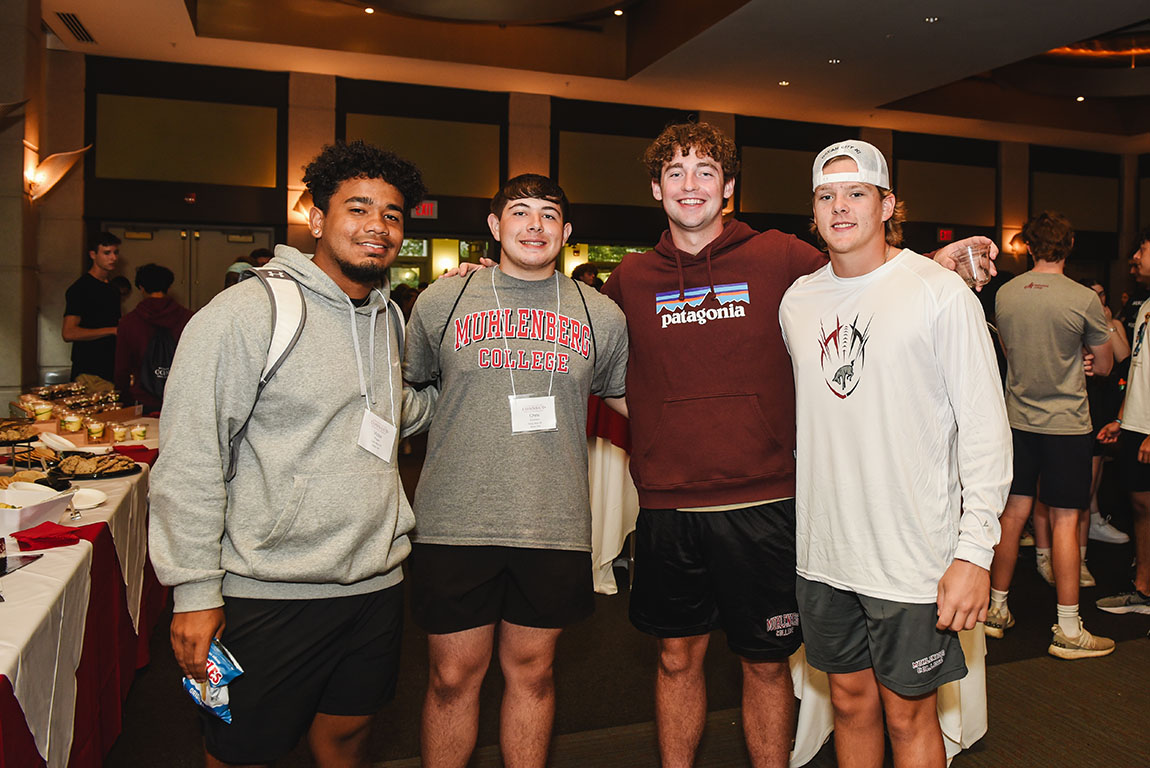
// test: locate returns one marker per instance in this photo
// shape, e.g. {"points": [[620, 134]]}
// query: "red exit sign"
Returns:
{"points": [[946, 235], [428, 209]]}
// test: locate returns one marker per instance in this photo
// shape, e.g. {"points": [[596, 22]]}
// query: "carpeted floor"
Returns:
{"points": [[1043, 712]]}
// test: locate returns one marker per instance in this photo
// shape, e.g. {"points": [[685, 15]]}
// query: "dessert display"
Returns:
{"points": [[92, 465]]}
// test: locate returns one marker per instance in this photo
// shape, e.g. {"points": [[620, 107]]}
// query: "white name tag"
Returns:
{"points": [[531, 413], [377, 436]]}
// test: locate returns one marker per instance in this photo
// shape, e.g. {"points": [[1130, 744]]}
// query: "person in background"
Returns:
{"points": [[584, 273], [1132, 432], [92, 312], [157, 313], [1104, 394], [1045, 319], [124, 286], [243, 263]]}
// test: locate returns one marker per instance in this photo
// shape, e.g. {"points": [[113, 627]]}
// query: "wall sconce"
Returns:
{"points": [[50, 170], [300, 212]]}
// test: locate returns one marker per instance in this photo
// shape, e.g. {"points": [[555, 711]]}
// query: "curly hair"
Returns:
{"points": [[1049, 235], [704, 138], [341, 161], [531, 185], [892, 226]]}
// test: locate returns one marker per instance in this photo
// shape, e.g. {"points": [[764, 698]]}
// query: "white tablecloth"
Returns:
{"points": [[46, 606]]}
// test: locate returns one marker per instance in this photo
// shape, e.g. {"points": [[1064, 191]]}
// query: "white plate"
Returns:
{"points": [[20, 485], [87, 498]]}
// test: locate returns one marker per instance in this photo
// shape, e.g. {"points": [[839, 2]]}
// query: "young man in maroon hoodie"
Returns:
{"points": [[712, 408], [156, 310]]}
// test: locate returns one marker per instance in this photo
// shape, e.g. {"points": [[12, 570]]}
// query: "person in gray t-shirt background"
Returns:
{"points": [[503, 525], [1045, 319]]}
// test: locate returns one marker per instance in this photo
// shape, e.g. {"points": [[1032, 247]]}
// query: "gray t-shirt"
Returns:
{"points": [[481, 484], [1044, 320]]}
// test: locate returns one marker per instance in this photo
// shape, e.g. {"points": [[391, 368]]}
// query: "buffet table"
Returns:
{"points": [[614, 509], [74, 628]]}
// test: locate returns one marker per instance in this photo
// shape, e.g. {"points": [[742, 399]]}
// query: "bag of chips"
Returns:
{"points": [[212, 694]]}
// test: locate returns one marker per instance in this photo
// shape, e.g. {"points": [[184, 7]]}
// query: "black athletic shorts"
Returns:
{"points": [[735, 570], [338, 656], [848, 632], [454, 588], [1137, 473], [1057, 467]]}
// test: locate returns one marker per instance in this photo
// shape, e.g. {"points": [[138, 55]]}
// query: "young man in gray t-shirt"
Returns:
{"points": [[503, 526], [1045, 319]]}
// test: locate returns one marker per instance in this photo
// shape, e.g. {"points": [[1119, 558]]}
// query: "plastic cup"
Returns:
{"points": [[139, 431], [974, 265], [95, 430], [42, 410], [119, 433], [71, 422]]}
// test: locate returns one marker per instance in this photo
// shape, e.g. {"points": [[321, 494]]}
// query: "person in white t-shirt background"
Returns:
{"points": [[898, 397]]}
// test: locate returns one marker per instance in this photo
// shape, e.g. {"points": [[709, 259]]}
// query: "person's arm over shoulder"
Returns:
{"points": [[209, 393], [613, 288], [803, 257], [421, 346], [985, 455]]}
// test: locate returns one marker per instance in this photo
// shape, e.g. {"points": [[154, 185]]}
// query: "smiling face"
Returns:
{"points": [[850, 214], [359, 236], [531, 233], [693, 193]]}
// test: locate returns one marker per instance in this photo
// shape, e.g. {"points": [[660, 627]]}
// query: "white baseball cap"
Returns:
{"points": [[871, 164]]}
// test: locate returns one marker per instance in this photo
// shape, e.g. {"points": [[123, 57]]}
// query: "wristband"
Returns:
{"points": [[1118, 422]]}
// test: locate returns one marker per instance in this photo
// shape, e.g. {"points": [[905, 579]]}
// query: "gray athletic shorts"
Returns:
{"points": [[847, 632]]}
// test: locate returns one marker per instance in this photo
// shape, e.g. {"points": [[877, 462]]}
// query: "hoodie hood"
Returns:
{"points": [[302, 267], [734, 234], [162, 312]]}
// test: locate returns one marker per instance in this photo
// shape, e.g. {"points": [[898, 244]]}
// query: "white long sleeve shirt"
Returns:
{"points": [[904, 451]]}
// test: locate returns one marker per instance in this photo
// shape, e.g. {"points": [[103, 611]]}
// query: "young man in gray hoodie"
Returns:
{"points": [[294, 563]]}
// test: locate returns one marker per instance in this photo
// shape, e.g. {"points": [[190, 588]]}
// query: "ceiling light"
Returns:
{"points": [[369, 10], [618, 11], [784, 83], [1081, 98], [931, 19], [834, 61]]}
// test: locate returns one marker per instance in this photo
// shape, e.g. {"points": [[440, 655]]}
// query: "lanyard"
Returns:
{"points": [[507, 349], [367, 387]]}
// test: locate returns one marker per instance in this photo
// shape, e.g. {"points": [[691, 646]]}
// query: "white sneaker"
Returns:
{"points": [[1045, 570], [1102, 530], [1085, 577]]}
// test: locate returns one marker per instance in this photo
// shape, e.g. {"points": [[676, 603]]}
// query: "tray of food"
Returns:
{"points": [[36, 456], [16, 431], [87, 466], [26, 476]]}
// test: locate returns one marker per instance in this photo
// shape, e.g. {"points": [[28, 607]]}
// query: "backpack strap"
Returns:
{"points": [[590, 325], [288, 316]]}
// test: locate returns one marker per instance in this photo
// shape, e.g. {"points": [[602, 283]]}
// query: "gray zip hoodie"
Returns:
{"points": [[309, 513]]}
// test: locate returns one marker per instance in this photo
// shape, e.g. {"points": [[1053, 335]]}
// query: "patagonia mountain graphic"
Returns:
{"points": [[677, 308], [842, 352]]}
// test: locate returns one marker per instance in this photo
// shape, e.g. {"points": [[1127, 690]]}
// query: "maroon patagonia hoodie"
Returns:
{"points": [[132, 336], [709, 383]]}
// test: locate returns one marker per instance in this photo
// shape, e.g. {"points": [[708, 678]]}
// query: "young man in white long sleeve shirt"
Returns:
{"points": [[897, 399]]}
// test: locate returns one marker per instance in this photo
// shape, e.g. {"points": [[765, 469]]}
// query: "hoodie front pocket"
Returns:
{"points": [[335, 528], [711, 438]]}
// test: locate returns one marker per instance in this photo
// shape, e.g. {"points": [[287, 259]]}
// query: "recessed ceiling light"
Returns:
{"points": [[834, 61], [369, 10], [784, 83], [618, 11], [1081, 98], [931, 19]]}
